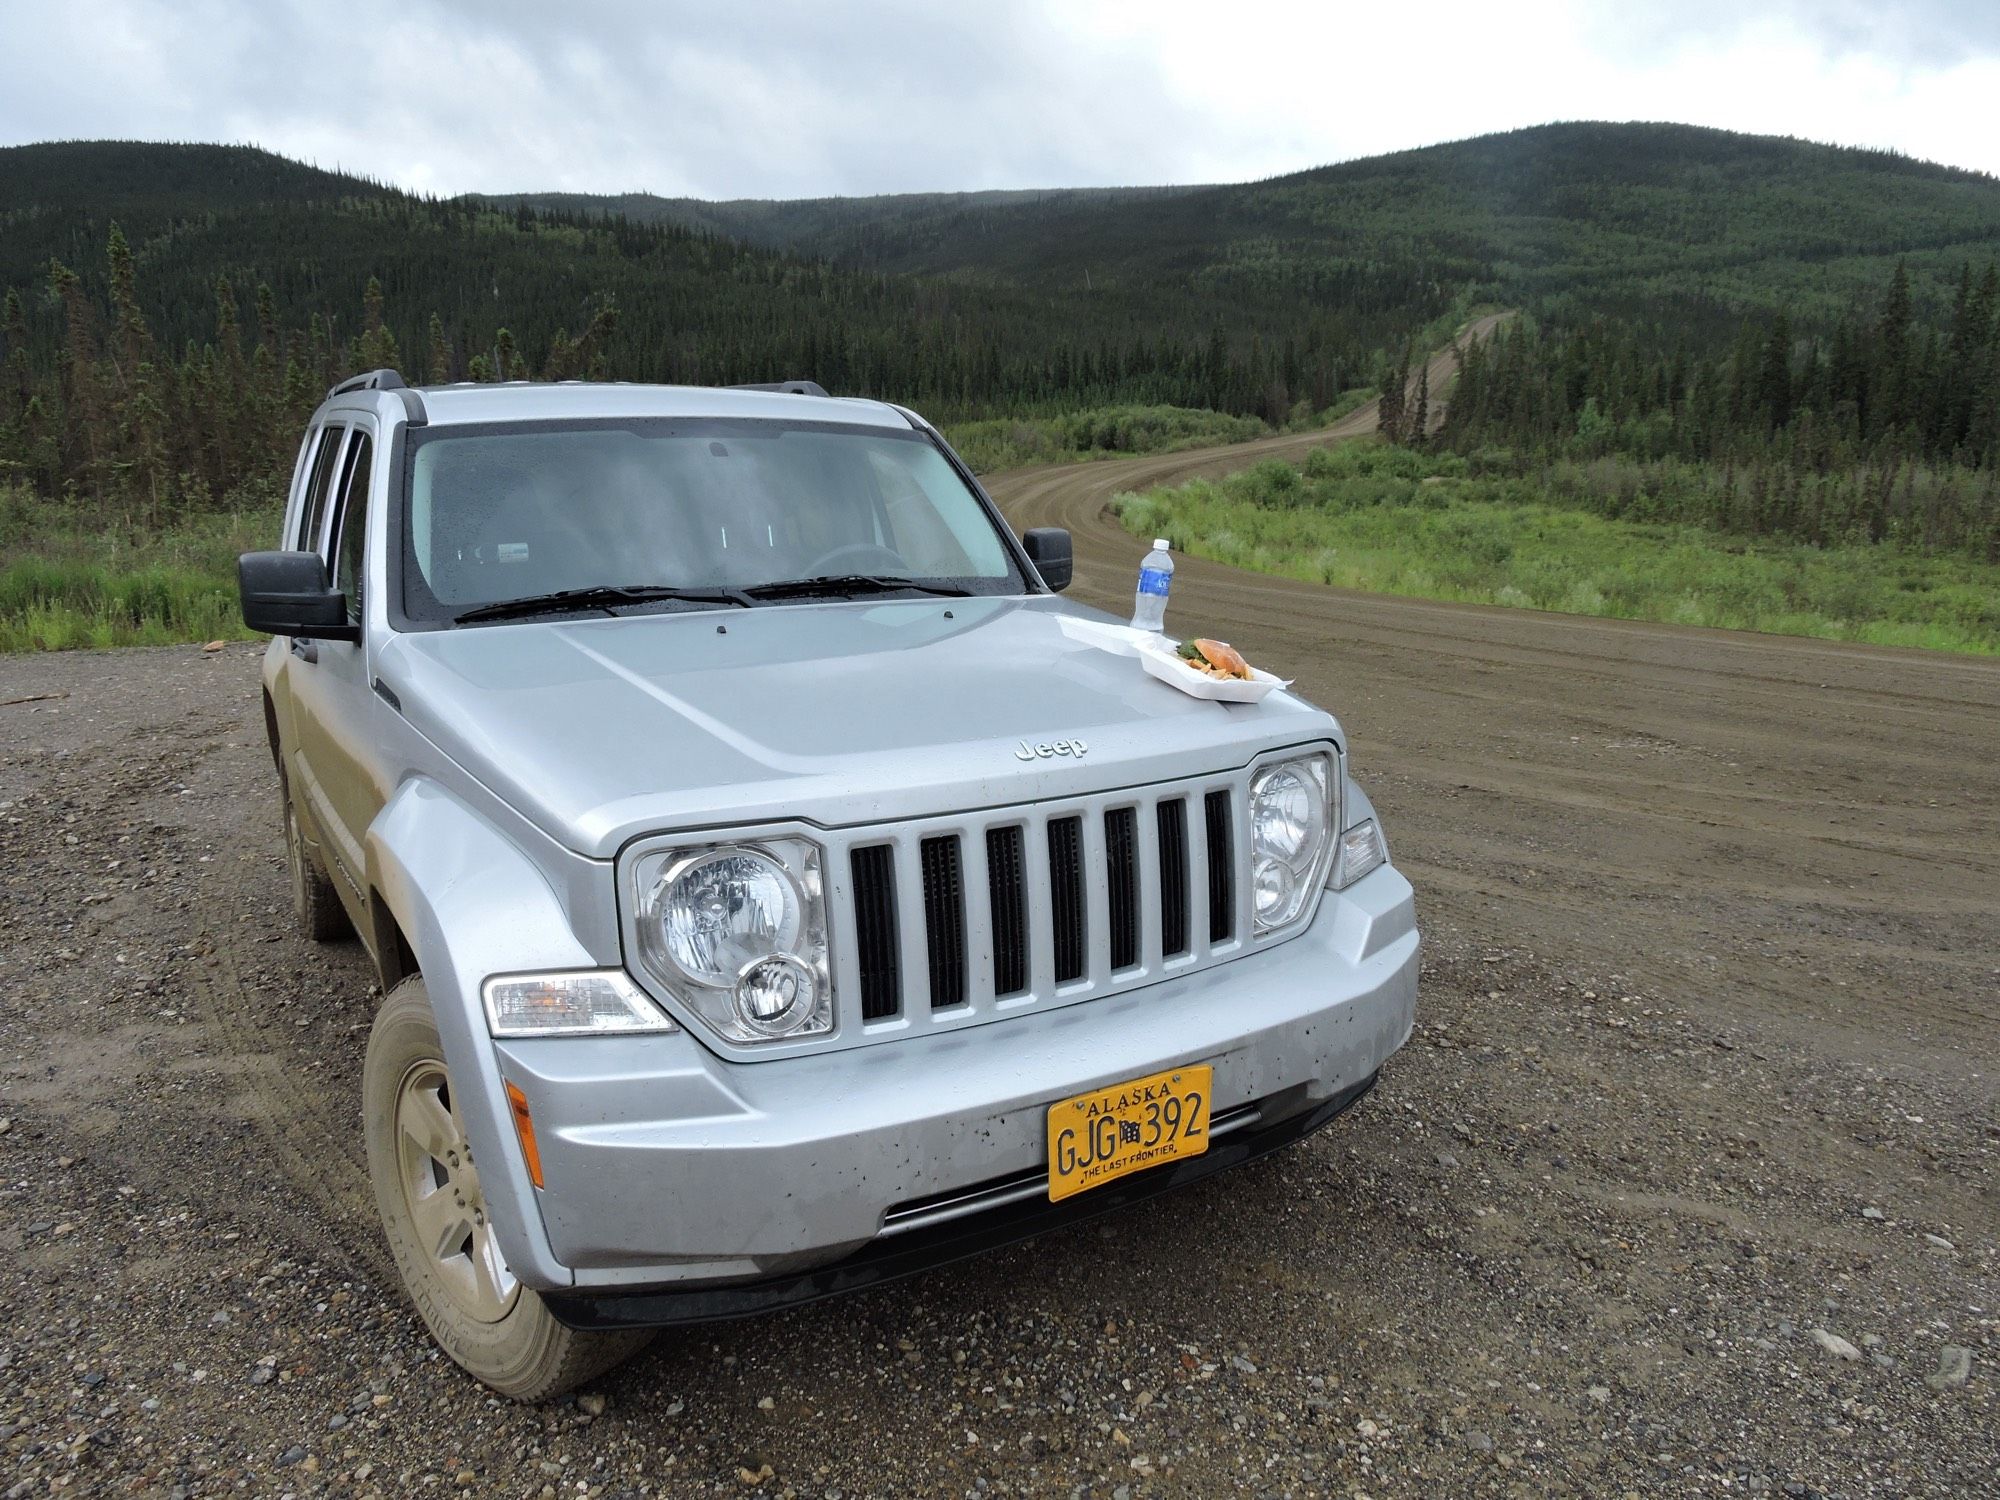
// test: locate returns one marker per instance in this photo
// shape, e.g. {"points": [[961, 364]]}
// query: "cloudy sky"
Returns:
{"points": [[776, 98]]}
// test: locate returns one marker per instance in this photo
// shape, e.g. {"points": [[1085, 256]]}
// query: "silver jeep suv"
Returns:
{"points": [[774, 886]]}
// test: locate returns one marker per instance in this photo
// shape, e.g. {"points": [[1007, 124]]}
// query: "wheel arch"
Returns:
{"points": [[454, 900], [395, 956]]}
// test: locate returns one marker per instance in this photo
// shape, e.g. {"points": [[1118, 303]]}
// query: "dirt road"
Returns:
{"points": [[1702, 1104]]}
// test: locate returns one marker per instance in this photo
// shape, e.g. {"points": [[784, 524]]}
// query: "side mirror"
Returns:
{"points": [[1049, 550], [286, 593]]}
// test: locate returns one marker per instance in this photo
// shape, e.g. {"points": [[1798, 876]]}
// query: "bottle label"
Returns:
{"points": [[1153, 581]]}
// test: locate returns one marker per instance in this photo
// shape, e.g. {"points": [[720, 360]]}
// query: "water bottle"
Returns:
{"points": [[1156, 576]]}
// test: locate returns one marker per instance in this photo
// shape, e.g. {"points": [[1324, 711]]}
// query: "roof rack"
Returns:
{"points": [[385, 380], [374, 380], [786, 387]]}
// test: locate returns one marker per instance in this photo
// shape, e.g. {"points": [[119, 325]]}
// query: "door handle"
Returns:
{"points": [[305, 650]]}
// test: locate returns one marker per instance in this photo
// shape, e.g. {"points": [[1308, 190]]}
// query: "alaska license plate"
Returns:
{"points": [[1101, 1136]]}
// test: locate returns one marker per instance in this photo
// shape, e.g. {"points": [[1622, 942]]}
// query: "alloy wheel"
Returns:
{"points": [[441, 1192]]}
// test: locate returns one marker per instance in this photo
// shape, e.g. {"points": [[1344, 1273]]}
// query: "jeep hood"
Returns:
{"points": [[602, 730]]}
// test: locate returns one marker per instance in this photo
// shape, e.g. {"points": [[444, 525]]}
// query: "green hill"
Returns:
{"points": [[1662, 221], [844, 228], [692, 304]]}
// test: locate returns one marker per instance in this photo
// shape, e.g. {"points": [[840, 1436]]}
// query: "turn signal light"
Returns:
{"points": [[524, 1127]]}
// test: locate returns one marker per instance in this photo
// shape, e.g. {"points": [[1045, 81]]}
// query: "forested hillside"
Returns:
{"points": [[172, 313], [846, 229], [1655, 221]]}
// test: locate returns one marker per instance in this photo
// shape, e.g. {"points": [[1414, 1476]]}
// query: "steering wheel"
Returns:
{"points": [[857, 550]]}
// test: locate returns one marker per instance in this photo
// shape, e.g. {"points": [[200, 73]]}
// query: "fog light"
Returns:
{"points": [[1271, 887], [776, 995], [1361, 850]]}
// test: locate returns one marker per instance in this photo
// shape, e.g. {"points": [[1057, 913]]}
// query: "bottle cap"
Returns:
{"points": [[1161, 543]]}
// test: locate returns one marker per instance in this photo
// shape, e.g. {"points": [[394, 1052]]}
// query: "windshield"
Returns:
{"points": [[496, 514]]}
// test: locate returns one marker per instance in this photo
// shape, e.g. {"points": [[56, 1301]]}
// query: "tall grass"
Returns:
{"points": [[1363, 516], [72, 576]]}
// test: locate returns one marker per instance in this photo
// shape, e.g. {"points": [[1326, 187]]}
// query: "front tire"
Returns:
{"points": [[435, 1217]]}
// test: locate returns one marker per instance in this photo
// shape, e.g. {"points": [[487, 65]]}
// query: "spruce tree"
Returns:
{"points": [[20, 375], [1774, 395], [82, 403], [377, 349], [437, 364], [1389, 419], [135, 339], [1893, 403]]}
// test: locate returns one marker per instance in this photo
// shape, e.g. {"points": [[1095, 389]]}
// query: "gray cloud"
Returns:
{"points": [[785, 98], [1901, 33], [776, 98]]}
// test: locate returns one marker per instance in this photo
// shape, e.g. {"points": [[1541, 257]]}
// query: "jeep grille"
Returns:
{"points": [[1043, 903]]}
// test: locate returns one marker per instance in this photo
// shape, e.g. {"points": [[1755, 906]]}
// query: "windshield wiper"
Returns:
{"points": [[604, 597], [851, 583]]}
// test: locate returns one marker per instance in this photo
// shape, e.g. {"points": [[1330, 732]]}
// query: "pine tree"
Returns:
{"points": [[1420, 415], [82, 405], [593, 349], [1774, 386], [1389, 421], [377, 349], [147, 475], [437, 365], [1894, 404], [20, 375], [135, 339]]}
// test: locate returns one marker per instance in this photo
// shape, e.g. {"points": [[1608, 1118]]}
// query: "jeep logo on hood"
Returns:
{"points": [[1048, 749]]}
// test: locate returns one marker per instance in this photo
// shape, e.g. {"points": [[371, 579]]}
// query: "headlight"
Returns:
{"points": [[1291, 837], [738, 931], [587, 1004]]}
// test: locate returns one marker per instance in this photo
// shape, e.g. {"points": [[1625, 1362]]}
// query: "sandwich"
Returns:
{"points": [[1215, 659]]}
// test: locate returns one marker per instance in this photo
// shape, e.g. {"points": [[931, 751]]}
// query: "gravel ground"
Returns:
{"points": [[1602, 1229]]}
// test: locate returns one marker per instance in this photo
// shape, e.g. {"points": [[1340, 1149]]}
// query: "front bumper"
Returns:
{"points": [[671, 1170], [939, 1244]]}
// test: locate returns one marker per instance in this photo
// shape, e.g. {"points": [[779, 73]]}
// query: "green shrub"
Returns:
{"points": [[73, 576], [1396, 521]]}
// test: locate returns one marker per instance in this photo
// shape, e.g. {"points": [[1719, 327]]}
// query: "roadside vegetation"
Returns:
{"points": [[1882, 428], [1396, 521], [72, 576]]}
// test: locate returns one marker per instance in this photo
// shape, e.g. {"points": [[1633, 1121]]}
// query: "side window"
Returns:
{"points": [[314, 509], [352, 521]]}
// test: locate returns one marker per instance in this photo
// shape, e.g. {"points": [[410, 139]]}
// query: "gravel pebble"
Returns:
{"points": [[1954, 1368]]}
